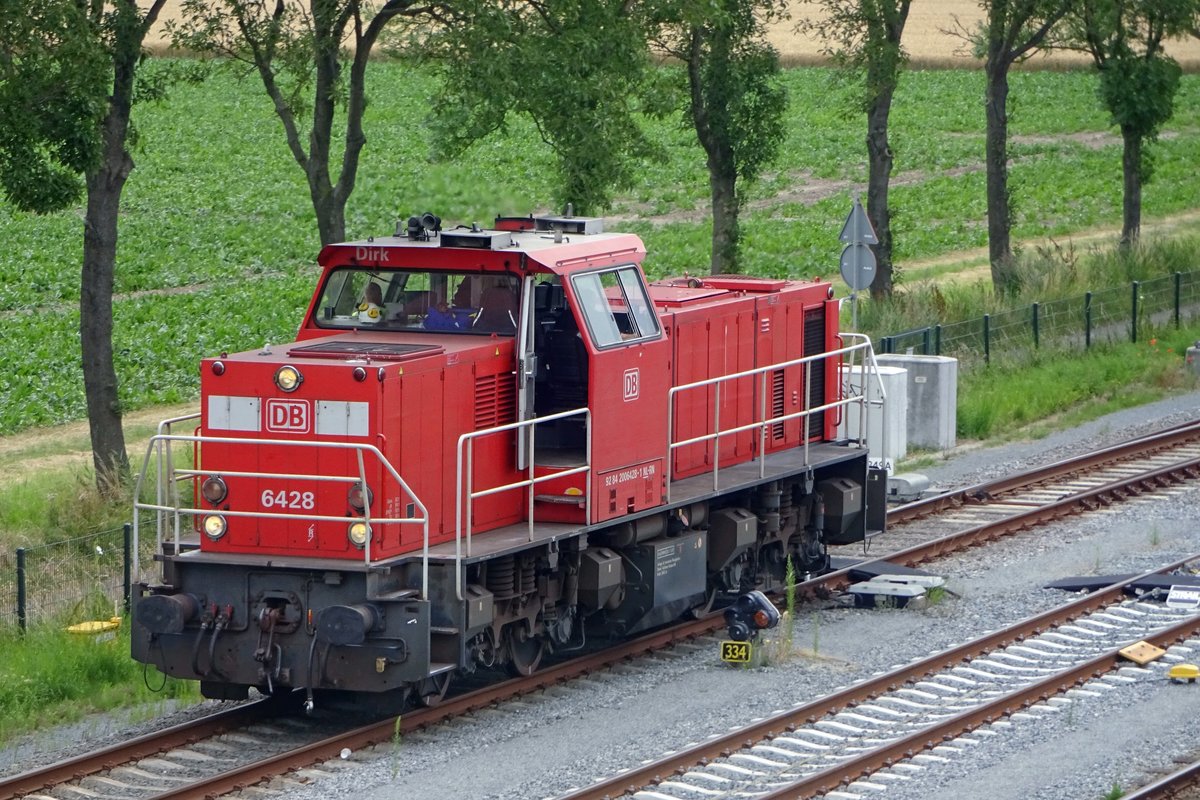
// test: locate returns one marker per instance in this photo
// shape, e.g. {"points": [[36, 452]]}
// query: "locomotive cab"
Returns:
{"points": [[487, 445]]}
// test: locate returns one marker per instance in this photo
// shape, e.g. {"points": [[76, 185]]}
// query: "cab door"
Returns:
{"points": [[628, 378]]}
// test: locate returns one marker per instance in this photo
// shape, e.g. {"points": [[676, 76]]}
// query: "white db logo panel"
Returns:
{"points": [[288, 416], [632, 384]]}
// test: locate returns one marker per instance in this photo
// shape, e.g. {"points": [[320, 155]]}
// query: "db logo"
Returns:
{"points": [[287, 416], [632, 383]]}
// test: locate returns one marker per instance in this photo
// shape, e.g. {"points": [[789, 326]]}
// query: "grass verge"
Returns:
{"points": [[50, 677]]}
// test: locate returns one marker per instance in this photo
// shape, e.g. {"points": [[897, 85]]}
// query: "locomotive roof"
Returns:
{"points": [[571, 245]]}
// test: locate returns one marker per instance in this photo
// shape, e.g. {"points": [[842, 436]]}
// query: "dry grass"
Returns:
{"points": [[929, 37], [935, 38]]}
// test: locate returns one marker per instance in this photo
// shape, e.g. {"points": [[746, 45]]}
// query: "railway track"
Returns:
{"points": [[1149, 464], [1183, 784], [1034, 487], [878, 731]]}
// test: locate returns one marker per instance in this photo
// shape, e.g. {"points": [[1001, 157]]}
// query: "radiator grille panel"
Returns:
{"points": [[495, 401], [777, 391], [814, 344]]}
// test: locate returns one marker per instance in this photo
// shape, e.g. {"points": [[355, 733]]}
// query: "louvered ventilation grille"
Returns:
{"points": [[814, 343], [495, 401], [777, 403]]}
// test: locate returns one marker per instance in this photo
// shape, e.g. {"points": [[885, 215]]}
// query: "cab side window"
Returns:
{"points": [[615, 306]]}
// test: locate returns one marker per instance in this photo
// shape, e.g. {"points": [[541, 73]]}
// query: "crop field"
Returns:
{"points": [[933, 35], [218, 240]]}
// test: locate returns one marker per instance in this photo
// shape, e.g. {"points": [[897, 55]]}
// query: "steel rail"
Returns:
{"points": [[385, 731], [388, 730], [1141, 446], [848, 771], [1169, 786], [35, 780], [1087, 500], [655, 771]]}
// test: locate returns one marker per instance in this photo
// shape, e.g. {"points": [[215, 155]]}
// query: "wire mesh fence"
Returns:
{"points": [[75, 580], [1125, 313]]}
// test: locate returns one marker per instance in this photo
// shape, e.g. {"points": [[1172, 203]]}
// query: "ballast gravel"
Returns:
{"points": [[543, 745]]}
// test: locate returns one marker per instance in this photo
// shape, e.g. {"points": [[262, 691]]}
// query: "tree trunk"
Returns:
{"points": [[722, 171], [879, 172], [1004, 275], [331, 218], [725, 208], [104, 188], [329, 208], [1131, 162]]}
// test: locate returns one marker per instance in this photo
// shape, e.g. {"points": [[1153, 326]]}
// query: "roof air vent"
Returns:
{"points": [[476, 239], [576, 225]]}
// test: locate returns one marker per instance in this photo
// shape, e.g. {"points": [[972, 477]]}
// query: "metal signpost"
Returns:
{"points": [[858, 260]]}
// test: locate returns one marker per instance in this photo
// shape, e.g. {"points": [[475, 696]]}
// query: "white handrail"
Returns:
{"points": [[763, 422], [467, 493], [160, 443]]}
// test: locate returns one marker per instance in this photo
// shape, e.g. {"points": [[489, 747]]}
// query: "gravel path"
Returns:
{"points": [[544, 745]]}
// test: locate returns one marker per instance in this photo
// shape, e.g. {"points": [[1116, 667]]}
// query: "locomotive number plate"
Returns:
{"points": [[285, 499], [735, 652]]}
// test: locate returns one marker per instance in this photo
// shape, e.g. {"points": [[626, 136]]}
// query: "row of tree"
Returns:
{"points": [[71, 72], [1125, 39]]}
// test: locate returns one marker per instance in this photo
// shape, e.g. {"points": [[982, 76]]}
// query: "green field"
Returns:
{"points": [[218, 240]]}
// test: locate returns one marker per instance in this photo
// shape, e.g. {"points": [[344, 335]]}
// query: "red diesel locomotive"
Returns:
{"points": [[485, 445]]}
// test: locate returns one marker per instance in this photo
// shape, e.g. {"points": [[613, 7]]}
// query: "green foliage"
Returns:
{"points": [[1138, 81], [55, 505], [1008, 397], [1052, 272], [282, 34], [1140, 94], [312, 60], [738, 102], [53, 95], [48, 677], [218, 240], [576, 68], [789, 622], [864, 39]]}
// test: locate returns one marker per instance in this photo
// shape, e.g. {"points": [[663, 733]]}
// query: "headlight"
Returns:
{"points": [[214, 489], [214, 526], [359, 498], [288, 378], [358, 533]]}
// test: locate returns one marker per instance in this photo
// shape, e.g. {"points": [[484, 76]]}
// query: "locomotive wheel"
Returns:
{"points": [[432, 691], [525, 655]]}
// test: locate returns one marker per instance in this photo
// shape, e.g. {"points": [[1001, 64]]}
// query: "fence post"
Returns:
{"points": [[22, 615], [1087, 321], [1036, 338], [127, 589], [1178, 292], [1134, 314], [937, 339], [925, 341], [987, 339]]}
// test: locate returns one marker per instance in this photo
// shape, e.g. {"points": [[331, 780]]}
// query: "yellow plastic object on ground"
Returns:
{"points": [[1184, 672], [95, 626]]}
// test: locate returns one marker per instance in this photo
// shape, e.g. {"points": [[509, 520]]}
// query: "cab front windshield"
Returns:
{"points": [[416, 300]]}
